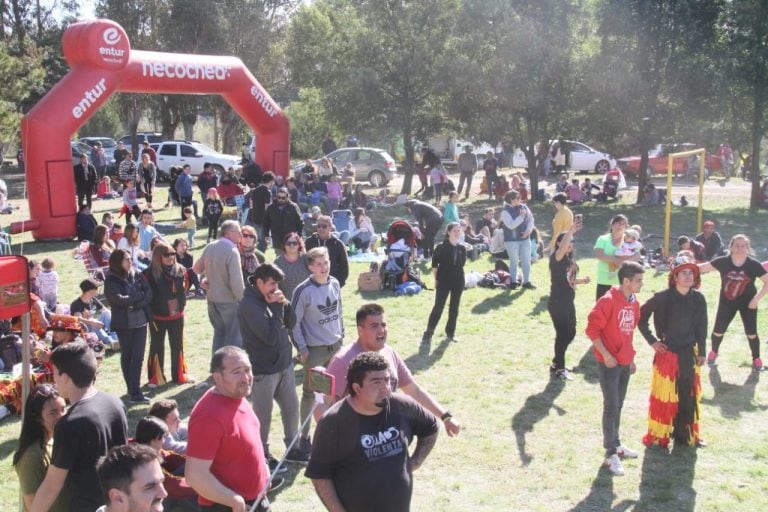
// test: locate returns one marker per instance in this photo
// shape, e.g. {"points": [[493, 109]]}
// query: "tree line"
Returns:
{"points": [[511, 71]]}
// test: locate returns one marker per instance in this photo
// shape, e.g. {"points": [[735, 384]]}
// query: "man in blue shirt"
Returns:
{"points": [[183, 187]]}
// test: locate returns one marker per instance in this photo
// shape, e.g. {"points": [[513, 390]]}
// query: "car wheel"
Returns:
{"points": [[219, 169], [602, 167], [163, 177], [377, 178]]}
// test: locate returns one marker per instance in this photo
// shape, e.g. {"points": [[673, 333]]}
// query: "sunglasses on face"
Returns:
{"points": [[282, 198], [292, 242], [168, 254], [248, 235]]}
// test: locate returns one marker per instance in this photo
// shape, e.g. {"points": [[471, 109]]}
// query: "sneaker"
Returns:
{"points": [[190, 294], [613, 463], [152, 385], [626, 453], [452, 337], [528, 286], [563, 374], [276, 483], [200, 292], [273, 462], [296, 455], [305, 444], [712, 357], [141, 398], [757, 364]]}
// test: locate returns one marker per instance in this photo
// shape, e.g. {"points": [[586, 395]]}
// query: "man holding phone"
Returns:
{"points": [[360, 458], [372, 337]]}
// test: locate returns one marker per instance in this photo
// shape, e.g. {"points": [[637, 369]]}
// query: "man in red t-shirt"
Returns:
{"points": [[610, 326], [225, 457]]}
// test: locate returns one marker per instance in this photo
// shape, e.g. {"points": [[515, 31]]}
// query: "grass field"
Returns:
{"points": [[529, 443]]}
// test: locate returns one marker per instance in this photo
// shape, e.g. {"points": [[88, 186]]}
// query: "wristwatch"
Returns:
{"points": [[446, 415]]}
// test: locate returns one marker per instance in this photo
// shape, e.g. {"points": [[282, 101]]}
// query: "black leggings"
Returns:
{"points": [[726, 311], [213, 225], [454, 289], [563, 316]]}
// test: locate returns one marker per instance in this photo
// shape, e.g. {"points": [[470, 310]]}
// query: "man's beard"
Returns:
{"points": [[384, 402]]}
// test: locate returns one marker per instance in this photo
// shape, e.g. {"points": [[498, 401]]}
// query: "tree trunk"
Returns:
{"points": [[642, 176], [188, 121], [757, 133], [408, 164], [230, 122]]}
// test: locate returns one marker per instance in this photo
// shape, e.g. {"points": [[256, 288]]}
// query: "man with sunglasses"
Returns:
{"points": [[337, 251], [282, 217]]}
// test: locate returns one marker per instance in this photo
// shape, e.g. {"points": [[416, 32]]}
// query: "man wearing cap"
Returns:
{"points": [[680, 323], [713, 243]]}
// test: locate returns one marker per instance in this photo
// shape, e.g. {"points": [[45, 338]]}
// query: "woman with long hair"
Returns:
{"points": [[448, 272], [738, 294], [604, 250], [361, 232], [131, 243], [101, 246], [563, 271], [129, 294], [293, 263], [42, 411], [250, 256], [169, 283]]}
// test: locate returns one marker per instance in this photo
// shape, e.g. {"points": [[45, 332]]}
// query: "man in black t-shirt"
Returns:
{"points": [[360, 455], [94, 423]]}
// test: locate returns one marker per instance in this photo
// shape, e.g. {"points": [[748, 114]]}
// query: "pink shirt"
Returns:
{"points": [[401, 375]]}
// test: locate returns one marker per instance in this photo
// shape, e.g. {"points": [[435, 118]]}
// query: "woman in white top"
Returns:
{"points": [[361, 230], [130, 242]]}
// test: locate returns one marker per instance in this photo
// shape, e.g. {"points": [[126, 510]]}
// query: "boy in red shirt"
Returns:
{"points": [[610, 326]]}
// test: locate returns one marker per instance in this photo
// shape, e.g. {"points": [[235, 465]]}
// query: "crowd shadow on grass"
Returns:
{"points": [[9, 446], [494, 302], [601, 495], [426, 357], [535, 409], [733, 399], [667, 480]]}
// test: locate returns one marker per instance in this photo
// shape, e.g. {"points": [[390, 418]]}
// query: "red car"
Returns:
{"points": [[658, 161]]}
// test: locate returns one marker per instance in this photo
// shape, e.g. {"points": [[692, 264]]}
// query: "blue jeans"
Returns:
{"points": [[519, 250], [613, 383], [226, 327]]}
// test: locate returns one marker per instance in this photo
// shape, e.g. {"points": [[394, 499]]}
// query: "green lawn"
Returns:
{"points": [[529, 443]]}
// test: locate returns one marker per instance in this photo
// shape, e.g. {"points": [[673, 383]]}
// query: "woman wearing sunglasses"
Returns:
{"points": [[169, 282], [293, 263], [250, 256]]}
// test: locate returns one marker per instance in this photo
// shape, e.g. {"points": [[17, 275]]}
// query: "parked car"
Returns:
{"points": [[196, 154], [109, 144], [79, 149], [152, 137], [583, 158], [371, 164], [658, 160]]}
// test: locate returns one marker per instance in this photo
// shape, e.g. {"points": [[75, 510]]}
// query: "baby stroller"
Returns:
{"points": [[400, 250]]}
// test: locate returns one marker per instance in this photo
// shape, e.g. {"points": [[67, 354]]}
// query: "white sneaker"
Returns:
{"points": [[613, 463], [626, 453]]}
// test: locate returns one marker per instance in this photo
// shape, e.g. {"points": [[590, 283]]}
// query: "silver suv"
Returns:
{"points": [[370, 164]]}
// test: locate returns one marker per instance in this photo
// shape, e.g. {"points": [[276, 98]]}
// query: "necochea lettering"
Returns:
{"points": [[190, 71]]}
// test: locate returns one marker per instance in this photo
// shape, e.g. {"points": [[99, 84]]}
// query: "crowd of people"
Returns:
{"points": [[268, 318]]}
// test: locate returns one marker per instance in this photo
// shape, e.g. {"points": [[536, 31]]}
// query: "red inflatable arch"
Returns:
{"points": [[103, 63]]}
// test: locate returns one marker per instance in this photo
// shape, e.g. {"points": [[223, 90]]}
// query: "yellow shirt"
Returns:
{"points": [[561, 222]]}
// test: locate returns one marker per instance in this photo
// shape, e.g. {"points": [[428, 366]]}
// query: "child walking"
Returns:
{"points": [[48, 284], [190, 224], [213, 208], [130, 202], [438, 175]]}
